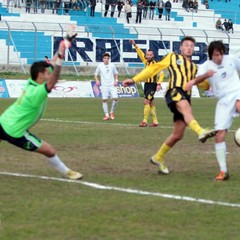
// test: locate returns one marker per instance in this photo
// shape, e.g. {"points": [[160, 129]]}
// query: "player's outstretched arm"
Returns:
{"points": [[57, 63], [59, 56], [199, 79], [127, 82]]}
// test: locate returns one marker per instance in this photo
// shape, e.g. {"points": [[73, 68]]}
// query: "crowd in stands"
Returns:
{"points": [[227, 25], [54, 5], [145, 9], [190, 5]]}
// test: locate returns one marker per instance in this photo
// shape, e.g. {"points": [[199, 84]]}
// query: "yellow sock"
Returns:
{"points": [[146, 112], [162, 152], [154, 114], [196, 127]]}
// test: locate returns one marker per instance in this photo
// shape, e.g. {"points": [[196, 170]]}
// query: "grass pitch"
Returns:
{"points": [[116, 153]]}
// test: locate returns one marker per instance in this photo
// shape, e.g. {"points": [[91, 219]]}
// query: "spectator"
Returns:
{"points": [[93, 4], [160, 7], [139, 11], [195, 6], [55, 6], [43, 6], [128, 10], [145, 8], [219, 24], [113, 6], [185, 5], [28, 5], [225, 25], [205, 2], [230, 25], [168, 7], [35, 6], [120, 5], [190, 3], [107, 4], [152, 5]]}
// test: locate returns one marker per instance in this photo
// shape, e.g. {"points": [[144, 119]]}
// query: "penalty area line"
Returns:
{"points": [[126, 190]]}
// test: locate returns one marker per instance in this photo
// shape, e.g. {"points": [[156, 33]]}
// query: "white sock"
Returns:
{"points": [[114, 105], [105, 108], [220, 150], [56, 163]]}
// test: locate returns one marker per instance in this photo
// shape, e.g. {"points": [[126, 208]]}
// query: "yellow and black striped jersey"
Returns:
{"points": [[180, 70], [158, 78]]}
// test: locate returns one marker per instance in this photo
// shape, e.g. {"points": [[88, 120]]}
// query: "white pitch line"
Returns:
{"points": [[126, 190], [103, 123], [96, 123]]}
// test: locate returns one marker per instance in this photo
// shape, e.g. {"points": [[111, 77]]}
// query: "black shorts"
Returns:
{"points": [[149, 90], [27, 142], [175, 95]]}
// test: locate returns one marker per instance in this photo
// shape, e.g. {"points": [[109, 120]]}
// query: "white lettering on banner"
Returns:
{"points": [[161, 93]]}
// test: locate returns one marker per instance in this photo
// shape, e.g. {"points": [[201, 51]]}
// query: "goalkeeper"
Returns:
{"points": [[16, 120]]}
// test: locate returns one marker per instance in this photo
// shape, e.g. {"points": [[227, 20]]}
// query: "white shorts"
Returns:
{"points": [[226, 111], [109, 92]]}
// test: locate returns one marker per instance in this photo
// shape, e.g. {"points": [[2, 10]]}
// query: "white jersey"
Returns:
{"points": [[226, 80], [106, 73]]}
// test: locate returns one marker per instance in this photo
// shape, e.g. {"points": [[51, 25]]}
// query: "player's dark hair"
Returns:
{"points": [[38, 67], [216, 45], [106, 55], [188, 38]]}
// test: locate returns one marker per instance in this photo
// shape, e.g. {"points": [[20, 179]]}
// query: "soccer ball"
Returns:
{"points": [[237, 137]]}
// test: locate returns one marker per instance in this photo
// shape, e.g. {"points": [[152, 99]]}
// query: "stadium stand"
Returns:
{"points": [[30, 31]]}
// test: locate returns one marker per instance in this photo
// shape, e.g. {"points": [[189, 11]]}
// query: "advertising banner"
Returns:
{"points": [[66, 89], [3, 89], [123, 92]]}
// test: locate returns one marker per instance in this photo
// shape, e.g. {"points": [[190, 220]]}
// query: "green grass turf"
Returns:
{"points": [[116, 153]]}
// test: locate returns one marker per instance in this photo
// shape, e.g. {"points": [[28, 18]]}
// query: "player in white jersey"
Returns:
{"points": [[109, 82], [221, 72]]}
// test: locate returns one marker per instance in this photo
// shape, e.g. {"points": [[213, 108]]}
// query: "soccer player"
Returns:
{"points": [[16, 120], [221, 72], [151, 85], [109, 82], [181, 70]]}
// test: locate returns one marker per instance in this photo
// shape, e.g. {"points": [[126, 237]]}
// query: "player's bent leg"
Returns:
{"points": [[46, 149], [185, 109], [53, 159], [177, 134]]}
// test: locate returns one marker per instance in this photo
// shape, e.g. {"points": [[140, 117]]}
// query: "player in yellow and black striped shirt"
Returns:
{"points": [[151, 85], [181, 70]]}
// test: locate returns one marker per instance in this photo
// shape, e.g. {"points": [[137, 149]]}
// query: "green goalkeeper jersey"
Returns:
{"points": [[26, 110]]}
